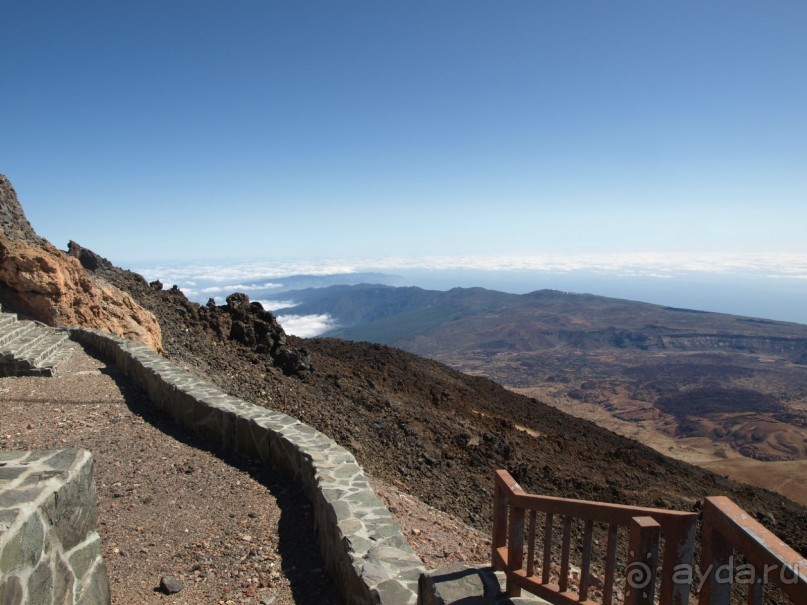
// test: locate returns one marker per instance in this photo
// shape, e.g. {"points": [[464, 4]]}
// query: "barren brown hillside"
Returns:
{"points": [[430, 430], [722, 391]]}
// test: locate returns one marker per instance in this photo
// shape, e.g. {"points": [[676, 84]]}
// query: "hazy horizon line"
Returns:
{"points": [[657, 265]]}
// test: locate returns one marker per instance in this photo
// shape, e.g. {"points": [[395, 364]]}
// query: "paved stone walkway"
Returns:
{"points": [[228, 529]]}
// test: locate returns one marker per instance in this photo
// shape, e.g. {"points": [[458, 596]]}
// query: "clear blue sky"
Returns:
{"points": [[207, 129]]}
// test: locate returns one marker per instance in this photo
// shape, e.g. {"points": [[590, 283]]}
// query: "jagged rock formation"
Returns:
{"points": [[248, 324], [44, 283], [12, 218], [240, 323]]}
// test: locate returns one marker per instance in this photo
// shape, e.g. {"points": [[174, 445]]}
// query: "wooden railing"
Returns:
{"points": [[512, 507], [728, 528]]}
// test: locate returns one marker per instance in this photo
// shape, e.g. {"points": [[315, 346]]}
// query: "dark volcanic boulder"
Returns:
{"points": [[88, 259], [249, 324], [253, 326], [293, 361]]}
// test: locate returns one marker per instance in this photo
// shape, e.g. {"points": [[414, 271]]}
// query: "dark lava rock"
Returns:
{"points": [[88, 259], [252, 326], [293, 361], [243, 326], [170, 585], [12, 218], [100, 266]]}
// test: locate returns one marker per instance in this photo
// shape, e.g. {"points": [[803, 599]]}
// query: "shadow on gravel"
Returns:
{"points": [[297, 545]]}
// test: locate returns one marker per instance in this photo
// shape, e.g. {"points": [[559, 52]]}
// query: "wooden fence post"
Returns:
{"points": [[640, 585]]}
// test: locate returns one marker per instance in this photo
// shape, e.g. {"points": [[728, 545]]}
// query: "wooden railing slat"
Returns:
{"points": [[565, 548], [547, 562], [716, 554], [679, 548], [755, 590], [585, 566], [610, 564], [531, 544]]}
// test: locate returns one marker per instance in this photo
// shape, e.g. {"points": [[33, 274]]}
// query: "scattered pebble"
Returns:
{"points": [[170, 585]]}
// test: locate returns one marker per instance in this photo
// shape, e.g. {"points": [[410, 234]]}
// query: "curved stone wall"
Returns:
{"points": [[362, 545]]}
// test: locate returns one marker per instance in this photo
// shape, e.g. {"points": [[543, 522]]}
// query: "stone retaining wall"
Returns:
{"points": [[362, 545], [49, 550]]}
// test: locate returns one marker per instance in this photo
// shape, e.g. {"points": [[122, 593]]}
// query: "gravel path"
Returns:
{"points": [[437, 538], [170, 504], [228, 529]]}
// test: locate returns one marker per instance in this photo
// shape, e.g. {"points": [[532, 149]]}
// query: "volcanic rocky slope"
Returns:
{"points": [[722, 391], [435, 432]]}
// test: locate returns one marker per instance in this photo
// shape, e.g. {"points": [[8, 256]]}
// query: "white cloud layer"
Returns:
{"points": [[237, 287], [306, 326], [273, 305], [659, 265], [241, 272], [648, 265]]}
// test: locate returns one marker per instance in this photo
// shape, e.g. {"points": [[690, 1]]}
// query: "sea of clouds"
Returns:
{"points": [[773, 286]]}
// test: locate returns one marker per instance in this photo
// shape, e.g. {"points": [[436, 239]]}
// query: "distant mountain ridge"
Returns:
{"points": [[359, 303], [725, 391], [389, 315]]}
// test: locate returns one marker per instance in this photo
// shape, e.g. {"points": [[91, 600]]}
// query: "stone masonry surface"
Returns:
{"points": [[469, 585], [49, 549], [362, 545]]}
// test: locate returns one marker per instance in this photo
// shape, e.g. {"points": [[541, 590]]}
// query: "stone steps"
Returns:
{"points": [[23, 343], [29, 348], [7, 319], [470, 585], [42, 354], [14, 330]]}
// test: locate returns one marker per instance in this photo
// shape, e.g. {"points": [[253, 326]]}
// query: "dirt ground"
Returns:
{"points": [[169, 504]]}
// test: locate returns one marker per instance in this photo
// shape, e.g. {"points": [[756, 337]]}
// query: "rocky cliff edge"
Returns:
{"points": [[46, 284]]}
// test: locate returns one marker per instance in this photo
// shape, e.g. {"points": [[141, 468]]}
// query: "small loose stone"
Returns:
{"points": [[170, 585]]}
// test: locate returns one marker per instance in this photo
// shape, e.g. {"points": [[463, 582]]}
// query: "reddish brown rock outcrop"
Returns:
{"points": [[40, 281]]}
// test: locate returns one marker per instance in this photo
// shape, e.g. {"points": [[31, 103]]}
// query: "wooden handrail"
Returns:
{"points": [[511, 503], [728, 528]]}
